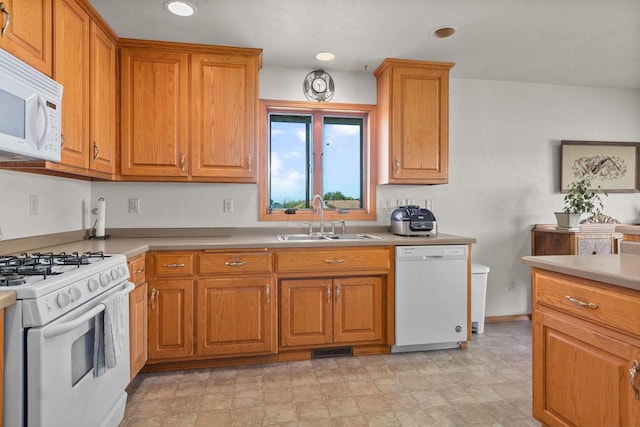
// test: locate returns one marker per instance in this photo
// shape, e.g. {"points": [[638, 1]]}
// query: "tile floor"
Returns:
{"points": [[489, 384]]}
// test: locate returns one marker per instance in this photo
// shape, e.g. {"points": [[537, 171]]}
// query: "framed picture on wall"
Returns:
{"points": [[611, 166]]}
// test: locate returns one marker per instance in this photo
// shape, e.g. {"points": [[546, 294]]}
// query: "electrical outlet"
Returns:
{"points": [[228, 205], [512, 284], [34, 205], [134, 205], [428, 203]]}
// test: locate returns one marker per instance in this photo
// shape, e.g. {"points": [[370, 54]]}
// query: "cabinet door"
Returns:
{"points": [[581, 377], [420, 132], [594, 246], [170, 319], [357, 314], [138, 324], [71, 69], [102, 117], [235, 316], [223, 117], [305, 312], [154, 113], [28, 35]]}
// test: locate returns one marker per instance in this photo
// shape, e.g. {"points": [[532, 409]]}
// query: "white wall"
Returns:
{"points": [[63, 204], [504, 173]]}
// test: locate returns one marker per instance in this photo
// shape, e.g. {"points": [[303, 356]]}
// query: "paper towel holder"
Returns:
{"points": [[94, 211]]}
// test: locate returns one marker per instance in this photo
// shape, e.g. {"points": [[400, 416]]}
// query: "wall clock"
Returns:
{"points": [[318, 86]]}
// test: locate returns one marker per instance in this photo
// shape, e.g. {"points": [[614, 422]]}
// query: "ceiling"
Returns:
{"points": [[567, 42]]}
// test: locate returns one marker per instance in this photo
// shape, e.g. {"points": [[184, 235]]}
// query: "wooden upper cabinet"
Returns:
{"points": [[71, 69], [224, 96], [102, 111], [154, 113], [28, 33], [413, 103]]}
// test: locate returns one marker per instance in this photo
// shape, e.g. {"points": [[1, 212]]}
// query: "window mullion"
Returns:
{"points": [[317, 152]]}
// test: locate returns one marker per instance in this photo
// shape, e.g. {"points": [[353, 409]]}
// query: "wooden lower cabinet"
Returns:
{"points": [[138, 328], [316, 312], [582, 355], [235, 316], [170, 319]]}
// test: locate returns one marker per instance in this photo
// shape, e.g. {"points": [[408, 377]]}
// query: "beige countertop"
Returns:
{"points": [[621, 270], [628, 229], [7, 299], [238, 239]]}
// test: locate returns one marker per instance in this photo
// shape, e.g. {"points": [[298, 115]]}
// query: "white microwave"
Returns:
{"points": [[30, 112]]}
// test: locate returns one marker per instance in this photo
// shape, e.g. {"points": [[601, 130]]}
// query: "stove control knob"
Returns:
{"points": [[93, 284], [115, 274], [63, 299], [75, 294], [105, 279], [123, 271]]}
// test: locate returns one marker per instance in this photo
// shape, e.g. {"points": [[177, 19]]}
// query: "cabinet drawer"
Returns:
{"points": [[137, 271], [333, 259], [607, 307], [172, 264], [240, 263]]}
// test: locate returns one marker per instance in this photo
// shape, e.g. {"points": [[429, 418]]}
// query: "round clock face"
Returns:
{"points": [[318, 86]]}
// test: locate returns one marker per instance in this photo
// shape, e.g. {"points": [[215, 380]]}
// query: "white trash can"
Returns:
{"points": [[479, 275]]}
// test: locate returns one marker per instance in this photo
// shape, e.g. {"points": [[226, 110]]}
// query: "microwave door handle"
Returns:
{"points": [[57, 330], [42, 104]]}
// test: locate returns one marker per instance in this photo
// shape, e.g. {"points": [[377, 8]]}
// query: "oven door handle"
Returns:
{"points": [[57, 330]]}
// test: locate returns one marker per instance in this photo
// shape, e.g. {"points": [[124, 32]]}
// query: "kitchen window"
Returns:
{"points": [[317, 149]]}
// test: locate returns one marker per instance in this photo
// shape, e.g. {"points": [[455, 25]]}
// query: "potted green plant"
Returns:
{"points": [[578, 201]]}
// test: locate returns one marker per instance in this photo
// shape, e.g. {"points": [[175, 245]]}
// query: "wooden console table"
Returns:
{"points": [[596, 239]]}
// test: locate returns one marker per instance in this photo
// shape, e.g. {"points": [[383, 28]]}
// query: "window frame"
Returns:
{"points": [[367, 111]]}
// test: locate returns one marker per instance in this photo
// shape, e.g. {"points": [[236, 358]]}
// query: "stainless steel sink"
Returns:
{"points": [[324, 237]]}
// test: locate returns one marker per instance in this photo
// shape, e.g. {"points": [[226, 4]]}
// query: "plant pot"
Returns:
{"points": [[570, 221]]}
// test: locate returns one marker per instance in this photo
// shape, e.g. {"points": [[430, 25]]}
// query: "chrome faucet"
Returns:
{"points": [[313, 205]]}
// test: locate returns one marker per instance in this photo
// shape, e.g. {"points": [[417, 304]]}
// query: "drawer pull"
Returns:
{"points": [[140, 270], [174, 265], [334, 261], [234, 263], [635, 367], [580, 303]]}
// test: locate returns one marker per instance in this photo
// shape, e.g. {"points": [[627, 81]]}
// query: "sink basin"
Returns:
{"points": [[324, 237]]}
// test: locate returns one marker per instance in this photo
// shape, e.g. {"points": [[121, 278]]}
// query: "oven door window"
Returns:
{"points": [[81, 357]]}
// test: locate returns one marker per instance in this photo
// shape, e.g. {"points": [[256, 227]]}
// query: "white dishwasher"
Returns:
{"points": [[431, 297]]}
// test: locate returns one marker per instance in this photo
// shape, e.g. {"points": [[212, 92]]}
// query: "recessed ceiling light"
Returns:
{"points": [[325, 56], [180, 8], [443, 32]]}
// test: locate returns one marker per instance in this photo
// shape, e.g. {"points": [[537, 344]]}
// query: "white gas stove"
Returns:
{"points": [[52, 339]]}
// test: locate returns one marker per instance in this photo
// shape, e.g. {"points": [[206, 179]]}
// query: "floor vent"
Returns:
{"points": [[331, 352]]}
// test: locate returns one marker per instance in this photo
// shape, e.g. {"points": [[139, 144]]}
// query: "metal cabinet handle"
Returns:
{"points": [[267, 292], [397, 162], [96, 151], [154, 292], [140, 270], [61, 140], [580, 303], [174, 265], [182, 162], [334, 261], [234, 263], [329, 294], [635, 367], [337, 292], [250, 164], [4, 10]]}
